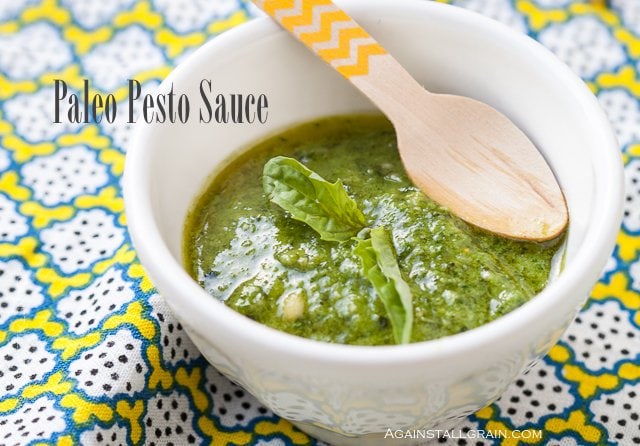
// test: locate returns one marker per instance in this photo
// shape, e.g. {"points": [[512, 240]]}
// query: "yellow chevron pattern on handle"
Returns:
{"points": [[327, 31]]}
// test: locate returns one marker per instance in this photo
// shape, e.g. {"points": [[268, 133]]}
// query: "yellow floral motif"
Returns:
{"points": [[589, 384], [133, 316], [141, 14], [89, 135], [159, 376], [631, 42], [596, 7], [192, 382], [114, 159], [40, 322], [24, 151], [123, 256], [9, 185], [59, 284], [132, 413], [84, 41], [84, 410], [26, 249], [175, 44], [539, 17], [43, 216], [136, 271], [629, 246], [70, 346], [576, 422], [619, 288], [221, 438], [107, 198], [10, 88], [55, 384], [225, 24], [626, 77], [48, 10], [70, 74]]}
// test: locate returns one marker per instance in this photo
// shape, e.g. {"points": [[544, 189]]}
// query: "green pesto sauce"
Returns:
{"points": [[248, 253]]}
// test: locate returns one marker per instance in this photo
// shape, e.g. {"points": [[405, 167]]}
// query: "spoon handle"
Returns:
{"points": [[328, 31], [337, 39]]}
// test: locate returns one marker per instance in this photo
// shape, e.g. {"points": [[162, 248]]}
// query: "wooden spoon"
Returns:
{"points": [[460, 152]]}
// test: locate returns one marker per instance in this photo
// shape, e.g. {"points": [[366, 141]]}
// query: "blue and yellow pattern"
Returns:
{"points": [[90, 353]]}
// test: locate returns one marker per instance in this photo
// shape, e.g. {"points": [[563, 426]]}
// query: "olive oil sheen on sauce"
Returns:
{"points": [[248, 253]]}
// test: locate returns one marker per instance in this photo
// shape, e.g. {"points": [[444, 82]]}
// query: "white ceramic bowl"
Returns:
{"points": [[351, 394]]}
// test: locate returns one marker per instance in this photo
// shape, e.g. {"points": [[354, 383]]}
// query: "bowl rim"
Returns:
{"points": [[169, 274]]}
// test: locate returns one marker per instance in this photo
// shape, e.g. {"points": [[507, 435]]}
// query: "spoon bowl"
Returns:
{"points": [[474, 160]]}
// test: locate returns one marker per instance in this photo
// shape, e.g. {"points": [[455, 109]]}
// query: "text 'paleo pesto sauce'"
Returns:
{"points": [[248, 253]]}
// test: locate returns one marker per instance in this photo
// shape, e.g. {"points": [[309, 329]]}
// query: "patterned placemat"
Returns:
{"points": [[90, 354]]}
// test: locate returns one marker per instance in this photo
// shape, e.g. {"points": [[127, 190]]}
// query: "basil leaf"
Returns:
{"points": [[324, 206], [381, 268]]}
